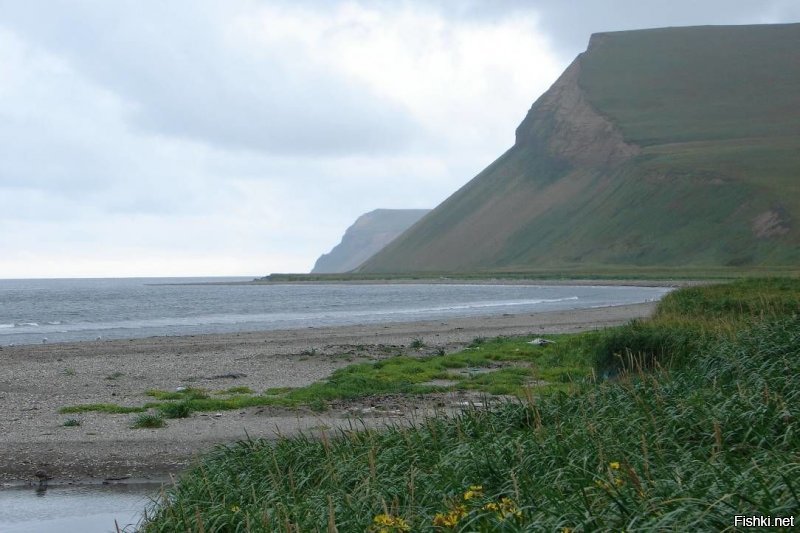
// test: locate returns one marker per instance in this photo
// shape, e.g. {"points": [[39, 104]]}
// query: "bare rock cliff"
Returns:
{"points": [[564, 125]]}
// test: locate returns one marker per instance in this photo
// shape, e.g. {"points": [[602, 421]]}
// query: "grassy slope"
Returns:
{"points": [[680, 449], [717, 114]]}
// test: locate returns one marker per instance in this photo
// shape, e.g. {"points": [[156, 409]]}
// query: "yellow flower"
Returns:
{"points": [[445, 520], [450, 519], [474, 491], [504, 508], [390, 523], [614, 465], [235, 508], [382, 520]]}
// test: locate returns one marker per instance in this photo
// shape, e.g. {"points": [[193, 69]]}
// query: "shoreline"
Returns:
{"points": [[546, 282], [40, 379]]}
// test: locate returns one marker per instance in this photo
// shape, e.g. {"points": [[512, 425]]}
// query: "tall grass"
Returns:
{"points": [[683, 448], [690, 318]]}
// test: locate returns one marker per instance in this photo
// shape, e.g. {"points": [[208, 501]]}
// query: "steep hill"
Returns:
{"points": [[368, 235], [668, 147]]}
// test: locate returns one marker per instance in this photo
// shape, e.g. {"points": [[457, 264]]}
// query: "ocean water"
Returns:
{"points": [[35, 311]]}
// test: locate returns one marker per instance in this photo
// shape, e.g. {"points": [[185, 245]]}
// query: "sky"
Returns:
{"points": [[242, 137]]}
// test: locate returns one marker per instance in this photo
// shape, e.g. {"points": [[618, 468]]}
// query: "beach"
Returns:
{"points": [[38, 380]]}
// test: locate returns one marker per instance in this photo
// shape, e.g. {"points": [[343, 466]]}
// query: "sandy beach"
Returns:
{"points": [[38, 380]]}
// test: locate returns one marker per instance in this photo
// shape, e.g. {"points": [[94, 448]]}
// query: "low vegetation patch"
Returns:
{"points": [[110, 408], [496, 366], [683, 444], [188, 393], [149, 420], [72, 422], [176, 410]]}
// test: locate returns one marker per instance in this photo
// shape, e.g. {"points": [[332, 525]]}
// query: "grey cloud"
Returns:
{"points": [[174, 66], [568, 24]]}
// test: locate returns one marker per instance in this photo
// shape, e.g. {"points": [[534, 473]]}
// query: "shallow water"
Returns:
{"points": [[79, 509], [34, 311]]}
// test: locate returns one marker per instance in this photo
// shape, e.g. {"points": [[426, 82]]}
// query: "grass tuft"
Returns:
{"points": [[176, 410], [147, 420]]}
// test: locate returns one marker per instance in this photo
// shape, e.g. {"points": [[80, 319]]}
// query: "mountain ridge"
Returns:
{"points": [[366, 236], [673, 146]]}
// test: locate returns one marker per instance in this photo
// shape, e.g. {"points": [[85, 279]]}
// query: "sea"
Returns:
{"points": [[65, 310]]}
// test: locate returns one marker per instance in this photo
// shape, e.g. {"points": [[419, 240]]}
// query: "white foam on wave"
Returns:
{"points": [[481, 305], [6, 326]]}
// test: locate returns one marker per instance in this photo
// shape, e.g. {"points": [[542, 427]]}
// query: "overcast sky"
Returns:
{"points": [[242, 137]]}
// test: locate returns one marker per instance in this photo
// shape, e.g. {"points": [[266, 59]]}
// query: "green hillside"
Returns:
{"points": [[667, 147]]}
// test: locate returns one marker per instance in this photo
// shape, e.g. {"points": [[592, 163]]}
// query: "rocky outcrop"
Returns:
{"points": [[563, 125], [367, 236]]}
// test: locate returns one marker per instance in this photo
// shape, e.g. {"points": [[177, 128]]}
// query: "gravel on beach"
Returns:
{"points": [[38, 380]]}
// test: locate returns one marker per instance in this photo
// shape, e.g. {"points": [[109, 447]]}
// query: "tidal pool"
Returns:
{"points": [[79, 509]]}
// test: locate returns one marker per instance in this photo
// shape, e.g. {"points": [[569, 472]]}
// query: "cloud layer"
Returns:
{"points": [[243, 137]]}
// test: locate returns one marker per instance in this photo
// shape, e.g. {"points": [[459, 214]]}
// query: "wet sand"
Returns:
{"points": [[38, 380]]}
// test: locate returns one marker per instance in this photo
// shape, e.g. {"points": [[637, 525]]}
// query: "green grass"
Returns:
{"points": [[684, 451], [71, 423], [148, 420], [683, 446], [189, 393], [181, 409], [100, 408], [482, 367], [685, 84], [690, 318], [731, 303]]}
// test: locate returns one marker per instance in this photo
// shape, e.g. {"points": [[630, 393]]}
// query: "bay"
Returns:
{"points": [[65, 310]]}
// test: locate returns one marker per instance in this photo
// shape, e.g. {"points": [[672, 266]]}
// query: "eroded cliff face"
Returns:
{"points": [[566, 127], [369, 234]]}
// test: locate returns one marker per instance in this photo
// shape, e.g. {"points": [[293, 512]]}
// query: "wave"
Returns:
{"points": [[344, 316], [4, 326], [481, 305]]}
